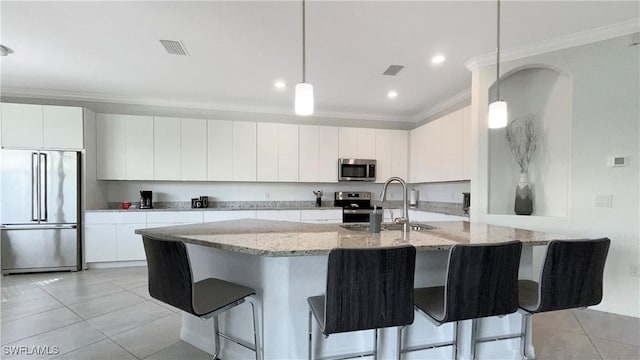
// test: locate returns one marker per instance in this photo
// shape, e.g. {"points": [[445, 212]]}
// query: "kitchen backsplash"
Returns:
{"points": [[175, 191]]}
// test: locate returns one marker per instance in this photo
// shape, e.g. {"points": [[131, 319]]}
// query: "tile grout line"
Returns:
{"points": [[588, 335], [133, 328]]}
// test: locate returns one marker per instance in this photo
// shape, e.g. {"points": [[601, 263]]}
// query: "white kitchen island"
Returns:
{"points": [[286, 263]]}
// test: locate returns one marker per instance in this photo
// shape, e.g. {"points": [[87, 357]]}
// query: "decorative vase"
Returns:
{"points": [[524, 196]]}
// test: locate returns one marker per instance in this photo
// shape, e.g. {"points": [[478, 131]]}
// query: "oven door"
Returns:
{"points": [[355, 215]]}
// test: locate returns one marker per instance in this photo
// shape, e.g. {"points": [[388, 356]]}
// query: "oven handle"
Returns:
{"points": [[357, 211]]}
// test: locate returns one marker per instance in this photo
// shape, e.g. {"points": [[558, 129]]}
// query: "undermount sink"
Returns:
{"points": [[365, 227]]}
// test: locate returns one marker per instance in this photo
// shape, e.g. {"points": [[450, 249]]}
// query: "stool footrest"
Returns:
{"points": [[427, 346], [347, 356], [242, 343], [500, 337]]}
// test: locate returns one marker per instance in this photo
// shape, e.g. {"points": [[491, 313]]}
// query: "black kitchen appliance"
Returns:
{"points": [[356, 206], [146, 199]]}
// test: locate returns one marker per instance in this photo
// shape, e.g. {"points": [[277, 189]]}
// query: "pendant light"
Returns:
{"points": [[304, 91], [498, 108]]}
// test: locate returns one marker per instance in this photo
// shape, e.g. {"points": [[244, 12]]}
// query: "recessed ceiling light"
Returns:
{"points": [[438, 59], [392, 94], [280, 85]]}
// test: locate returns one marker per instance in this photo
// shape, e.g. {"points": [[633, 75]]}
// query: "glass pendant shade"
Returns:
{"points": [[497, 114], [304, 99]]}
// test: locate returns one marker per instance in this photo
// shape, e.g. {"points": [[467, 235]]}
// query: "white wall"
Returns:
{"points": [[605, 121]]}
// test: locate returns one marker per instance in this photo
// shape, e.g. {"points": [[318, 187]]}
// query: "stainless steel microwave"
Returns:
{"points": [[356, 170]]}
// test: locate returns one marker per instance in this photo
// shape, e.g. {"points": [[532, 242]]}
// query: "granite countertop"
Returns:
{"points": [[424, 206], [283, 238]]}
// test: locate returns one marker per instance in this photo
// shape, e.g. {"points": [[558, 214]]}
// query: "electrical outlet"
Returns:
{"points": [[605, 201], [266, 196], [634, 270]]}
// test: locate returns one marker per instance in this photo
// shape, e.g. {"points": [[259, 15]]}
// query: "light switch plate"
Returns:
{"points": [[605, 201]]}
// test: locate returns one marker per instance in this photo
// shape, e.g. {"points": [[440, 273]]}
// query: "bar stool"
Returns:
{"points": [[171, 281], [366, 289], [482, 280], [571, 278]]}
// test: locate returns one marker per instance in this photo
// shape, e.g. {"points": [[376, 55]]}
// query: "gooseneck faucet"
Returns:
{"points": [[404, 220]]}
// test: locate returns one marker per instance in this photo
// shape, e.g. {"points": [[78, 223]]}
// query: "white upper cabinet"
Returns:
{"points": [[193, 149], [433, 151], [357, 143], [267, 152], [111, 139], [166, 148], [42, 127], [220, 150], [441, 150], [452, 147], [366, 144], [391, 154], [124, 147], [277, 152], [63, 127], [318, 152], [244, 151], [139, 147], [348, 143], [466, 143], [288, 152]]}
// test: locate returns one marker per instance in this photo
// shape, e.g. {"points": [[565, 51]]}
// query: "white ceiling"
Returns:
{"points": [[109, 51]]}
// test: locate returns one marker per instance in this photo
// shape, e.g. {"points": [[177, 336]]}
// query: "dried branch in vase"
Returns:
{"points": [[522, 136]]}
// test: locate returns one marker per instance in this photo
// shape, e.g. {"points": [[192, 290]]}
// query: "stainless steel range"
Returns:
{"points": [[356, 206]]}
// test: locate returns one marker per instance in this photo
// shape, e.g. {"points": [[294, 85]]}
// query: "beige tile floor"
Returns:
{"points": [[108, 314]]}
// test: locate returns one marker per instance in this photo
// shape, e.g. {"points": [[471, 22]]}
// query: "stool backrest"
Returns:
{"points": [[170, 278], [572, 274], [482, 280], [369, 288]]}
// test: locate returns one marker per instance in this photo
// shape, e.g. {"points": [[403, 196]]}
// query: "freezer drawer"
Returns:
{"points": [[51, 248]]}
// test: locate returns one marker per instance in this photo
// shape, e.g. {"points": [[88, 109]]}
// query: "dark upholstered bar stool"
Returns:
{"points": [[171, 281], [482, 280], [571, 277], [366, 289]]}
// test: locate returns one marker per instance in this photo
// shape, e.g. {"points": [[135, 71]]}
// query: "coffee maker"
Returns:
{"points": [[146, 201]]}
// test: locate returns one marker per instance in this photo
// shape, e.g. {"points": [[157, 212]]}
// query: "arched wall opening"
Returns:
{"points": [[544, 93]]}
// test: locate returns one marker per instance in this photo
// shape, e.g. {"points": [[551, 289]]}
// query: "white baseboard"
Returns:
{"points": [[116, 264]]}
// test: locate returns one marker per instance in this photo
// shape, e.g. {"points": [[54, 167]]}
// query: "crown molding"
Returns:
{"points": [[444, 105], [100, 98], [559, 43]]}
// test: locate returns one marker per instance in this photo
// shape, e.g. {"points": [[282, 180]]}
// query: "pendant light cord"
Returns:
{"points": [[498, 56], [304, 44]]}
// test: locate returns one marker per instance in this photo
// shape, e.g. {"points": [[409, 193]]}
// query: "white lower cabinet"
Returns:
{"points": [[173, 217], [223, 215], [283, 215], [129, 244], [333, 216], [100, 242], [110, 235]]}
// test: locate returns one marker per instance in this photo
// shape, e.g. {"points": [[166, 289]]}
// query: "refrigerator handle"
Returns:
{"points": [[35, 181], [43, 187]]}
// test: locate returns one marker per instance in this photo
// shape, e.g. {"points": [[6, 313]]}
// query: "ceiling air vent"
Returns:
{"points": [[174, 47], [393, 70]]}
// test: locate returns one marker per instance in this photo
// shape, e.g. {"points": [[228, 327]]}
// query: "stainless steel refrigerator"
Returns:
{"points": [[40, 211]]}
